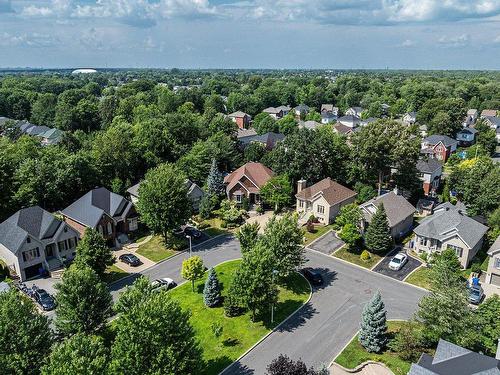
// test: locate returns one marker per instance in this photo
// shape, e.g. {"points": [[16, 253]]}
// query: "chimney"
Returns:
{"points": [[301, 185]]}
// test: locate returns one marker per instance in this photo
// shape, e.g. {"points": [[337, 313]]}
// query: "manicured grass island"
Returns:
{"points": [[155, 249], [238, 333], [354, 256]]}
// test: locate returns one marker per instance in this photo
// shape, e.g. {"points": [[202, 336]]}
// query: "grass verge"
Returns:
{"points": [[353, 256], [318, 232], [354, 354], [420, 277], [239, 333], [114, 273], [155, 249]]}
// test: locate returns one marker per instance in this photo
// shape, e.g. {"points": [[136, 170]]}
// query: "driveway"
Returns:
{"points": [[383, 266], [327, 244], [146, 263], [321, 328], [261, 220]]}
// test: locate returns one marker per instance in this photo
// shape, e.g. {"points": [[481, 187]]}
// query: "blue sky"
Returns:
{"points": [[409, 34]]}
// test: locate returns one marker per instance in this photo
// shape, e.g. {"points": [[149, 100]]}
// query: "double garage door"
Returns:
{"points": [[495, 279], [32, 271]]}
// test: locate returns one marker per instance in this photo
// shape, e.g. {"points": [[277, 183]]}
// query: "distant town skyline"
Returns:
{"points": [[294, 34]]}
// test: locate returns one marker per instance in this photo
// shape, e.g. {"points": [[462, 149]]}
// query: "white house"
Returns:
{"points": [[410, 118], [470, 118], [354, 111]]}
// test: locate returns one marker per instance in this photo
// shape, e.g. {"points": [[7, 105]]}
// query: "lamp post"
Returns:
{"points": [[272, 304], [190, 246]]}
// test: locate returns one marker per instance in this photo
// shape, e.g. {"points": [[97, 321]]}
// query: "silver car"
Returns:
{"points": [[398, 262]]}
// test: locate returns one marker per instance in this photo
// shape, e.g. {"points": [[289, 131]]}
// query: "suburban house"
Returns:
{"points": [[195, 193], [275, 113], [354, 111], [350, 121], [33, 242], [269, 140], [301, 109], [430, 173], [241, 119], [109, 213], [470, 118], [466, 136], [51, 137], [450, 228], [367, 121], [323, 200], [492, 121], [385, 108], [345, 130], [488, 113], [284, 108], [246, 181], [439, 146], [493, 272], [410, 118], [48, 136], [451, 359], [309, 124], [328, 117], [329, 108], [399, 213]]}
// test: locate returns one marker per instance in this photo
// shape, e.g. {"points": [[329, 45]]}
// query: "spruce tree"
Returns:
{"points": [[215, 181], [373, 327], [378, 235], [211, 291]]}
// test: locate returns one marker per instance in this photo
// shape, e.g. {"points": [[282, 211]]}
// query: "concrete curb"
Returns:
{"points": [[274, 329], [361, 366]]}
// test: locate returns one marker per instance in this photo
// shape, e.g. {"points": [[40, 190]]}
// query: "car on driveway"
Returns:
{"points": [[44, 299], [192, 232], [476, 294], [313, 276], [398, 261], [130, 259], [164, 283]]}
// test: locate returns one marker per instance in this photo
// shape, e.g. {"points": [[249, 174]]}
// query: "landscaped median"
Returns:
{"points": [[238, 333], [354, 256]]}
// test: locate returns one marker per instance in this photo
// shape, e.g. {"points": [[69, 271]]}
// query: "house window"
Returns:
{"points": [[71, 243], [301, 204], [62, 245], [132, 223], [31, 254], [497, 263], [458, 250], [99, 229], [423, 241], [238, 198], [110, 229], [321, 209]]}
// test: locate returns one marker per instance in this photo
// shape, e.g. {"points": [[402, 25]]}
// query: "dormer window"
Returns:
{"points": [[28, 240], [65, 229]]}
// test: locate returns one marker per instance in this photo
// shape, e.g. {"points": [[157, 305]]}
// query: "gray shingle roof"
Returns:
{"points": [[266, 138], [33, 221], [428, 166], [449, 221], [302, 108], [436, 138], [468, 130], [396, 207], [494, 247], [89, 209]]}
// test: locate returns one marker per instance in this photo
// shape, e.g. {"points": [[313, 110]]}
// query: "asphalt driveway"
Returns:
{"points": [[383, 266], [327, 244]]}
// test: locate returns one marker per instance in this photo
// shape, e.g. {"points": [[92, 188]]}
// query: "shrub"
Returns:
{"points": [[231, 306], [203, 225], [223, 224], [260, 209], [365, 255], [310, 227], [475, 267], [424, 257]]}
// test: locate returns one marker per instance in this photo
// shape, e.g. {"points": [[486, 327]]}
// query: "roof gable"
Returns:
{"points": [[332, 191]]}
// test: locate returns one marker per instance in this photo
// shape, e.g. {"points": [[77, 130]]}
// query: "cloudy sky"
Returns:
{"points": [[410, 34]]}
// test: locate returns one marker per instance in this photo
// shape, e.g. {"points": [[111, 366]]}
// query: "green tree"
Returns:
{"points": [[373, 327], [208, 203], [487, 326], [163, 201], [155, 337], [248, 235], [134, 295], [215, 181], [43, 110], [286, 366], [486, 137], [378, 235], [277, 192], [264, 123], [25, 335], [408, 341], [365, 192], [93, 252], [349, 214], [255, 151], [79, 354], [212, 290], [192, 269], [350, 235], [83, 302]]}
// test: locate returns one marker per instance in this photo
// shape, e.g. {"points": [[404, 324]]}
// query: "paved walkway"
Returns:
{"points": [[261, 219], [369, 369]]}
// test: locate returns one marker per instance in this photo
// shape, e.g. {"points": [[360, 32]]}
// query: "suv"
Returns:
{"points": [[314, 277], [44, 299], [163, 283], [130, 259]]}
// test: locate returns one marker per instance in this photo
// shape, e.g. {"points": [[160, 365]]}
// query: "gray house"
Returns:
{"points": [[493, 272], [33, 241], [399, 213], [450, 228]]}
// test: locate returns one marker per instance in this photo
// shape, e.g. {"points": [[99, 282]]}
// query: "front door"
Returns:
{"points": [[49, 251]]}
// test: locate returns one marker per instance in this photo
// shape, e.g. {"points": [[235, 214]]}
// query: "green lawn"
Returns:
{"points": [[352, 256], [354, 355], [420, 277], [212, 232], [318, 232], [114, 273], [481, 258], [239, 333], [156, 251]]}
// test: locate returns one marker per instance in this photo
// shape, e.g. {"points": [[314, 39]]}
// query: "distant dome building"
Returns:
{"points": [[83, 71]]}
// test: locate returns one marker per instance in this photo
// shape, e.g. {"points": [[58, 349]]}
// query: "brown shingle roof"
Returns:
{"points": [[258, 173], [332, 191]]}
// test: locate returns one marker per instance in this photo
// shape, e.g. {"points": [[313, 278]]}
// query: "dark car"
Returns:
{"points": [[130, 259], [314, 277], [192, 232], [44, 299]]}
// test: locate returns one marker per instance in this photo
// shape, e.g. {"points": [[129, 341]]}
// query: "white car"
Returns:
{"points": [[163, 283], [398, 262]]}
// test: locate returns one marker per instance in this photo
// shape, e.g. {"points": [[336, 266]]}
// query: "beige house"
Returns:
{"points": [[323, 200], [493, 272], [450, 228]]}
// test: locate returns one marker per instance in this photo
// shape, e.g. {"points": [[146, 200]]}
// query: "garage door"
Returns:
{"points": [[32, 271], [495, 279]]}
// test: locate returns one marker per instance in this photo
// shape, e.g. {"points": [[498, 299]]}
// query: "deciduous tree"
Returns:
{"points": [[93, 252], [192, 269]]}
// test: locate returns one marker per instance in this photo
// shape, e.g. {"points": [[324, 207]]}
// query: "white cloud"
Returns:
{"points": [[454, 41], [27, 40], [497, 39], [407, 43]]}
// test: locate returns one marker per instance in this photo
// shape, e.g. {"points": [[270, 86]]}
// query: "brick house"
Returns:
{"points": [[246, 181], [439, 147], [241, 119]]}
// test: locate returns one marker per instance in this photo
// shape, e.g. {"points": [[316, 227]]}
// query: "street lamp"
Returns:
{"points": [[190, 246], [272, 304]]}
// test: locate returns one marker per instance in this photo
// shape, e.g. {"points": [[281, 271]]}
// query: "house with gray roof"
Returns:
{"points": [[268, 140], [33, 241], [51, 137], [466, 136], [493, 271], [399, 213], [328, 117], [350, 121], [439, 146], [451, 359], [301, 109], [409, 118], [430, 172], [450, 228], [109, 213], [354, 111]]}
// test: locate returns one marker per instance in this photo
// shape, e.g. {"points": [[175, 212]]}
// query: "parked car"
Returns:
{"points": [[44, 299], [164, 283], [178, 232], [476, 294], [313, 276], [130, 259], [398, 261], [192, 232]]}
